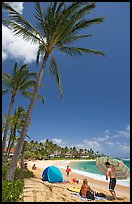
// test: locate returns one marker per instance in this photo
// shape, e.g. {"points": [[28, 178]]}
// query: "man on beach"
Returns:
{"points": [[111, 174]]}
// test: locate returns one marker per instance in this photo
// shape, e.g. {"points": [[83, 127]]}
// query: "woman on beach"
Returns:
{"points": [[86, 191]]}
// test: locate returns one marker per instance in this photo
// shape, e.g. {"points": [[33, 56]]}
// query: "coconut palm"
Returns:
{"points": [[57, 27], [20, 81], [16, 123]]}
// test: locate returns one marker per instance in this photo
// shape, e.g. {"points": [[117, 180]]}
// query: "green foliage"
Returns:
{"points": [[4, 170], [27, 173], [11, 190]]}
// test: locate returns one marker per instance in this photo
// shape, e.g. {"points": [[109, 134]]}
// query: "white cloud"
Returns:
{"points": [[101, 139], [115, 144], [4, 55], [92, 144], [124, 133], [57, 141], [128, 127], [18, 6], [108, 144], [111, 144], [43, 141], [17, 48], [125, 148]]}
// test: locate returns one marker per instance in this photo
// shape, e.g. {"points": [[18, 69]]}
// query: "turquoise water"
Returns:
{"points": [[127, 163], [90, 166]]}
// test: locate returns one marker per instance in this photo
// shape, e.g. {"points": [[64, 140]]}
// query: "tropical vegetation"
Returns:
{"points": [[57, 28], [11, 191], [48, 150], [21, 80]]}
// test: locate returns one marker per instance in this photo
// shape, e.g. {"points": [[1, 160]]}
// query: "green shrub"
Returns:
{"points": [[4, 170], [27, 173], [11, 190]]}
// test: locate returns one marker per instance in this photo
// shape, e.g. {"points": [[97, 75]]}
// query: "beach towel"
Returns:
{"points": [[74, 189], [86, 199]]}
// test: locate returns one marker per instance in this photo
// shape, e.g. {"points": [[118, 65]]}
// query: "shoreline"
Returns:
{"points": [[123, 192], [98, 177]]}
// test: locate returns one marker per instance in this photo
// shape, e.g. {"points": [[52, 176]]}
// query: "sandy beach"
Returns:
{"points": [[59, 192]]}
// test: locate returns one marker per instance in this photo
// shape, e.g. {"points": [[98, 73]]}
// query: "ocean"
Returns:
{"points": [[89, 168]]}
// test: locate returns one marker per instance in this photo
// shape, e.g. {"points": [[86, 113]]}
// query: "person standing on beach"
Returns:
{"points": [[68, 170], [111, 174]]}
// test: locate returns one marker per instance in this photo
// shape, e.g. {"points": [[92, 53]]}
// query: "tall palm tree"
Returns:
{"points": [[16, 123], [20, 81], [59, 25]]}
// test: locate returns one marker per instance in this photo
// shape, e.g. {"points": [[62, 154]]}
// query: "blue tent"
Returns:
{"points": [[52, 174]]}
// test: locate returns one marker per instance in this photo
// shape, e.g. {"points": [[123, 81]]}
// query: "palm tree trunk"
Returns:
{"points": [[7, 126], [22, 160], [8, 148], [11, 142], [12, 168]]}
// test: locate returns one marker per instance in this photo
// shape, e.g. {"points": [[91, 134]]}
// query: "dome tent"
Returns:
{"points": [[52, 174]]}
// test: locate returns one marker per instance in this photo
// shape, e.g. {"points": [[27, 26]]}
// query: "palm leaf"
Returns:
{"points": [[29, 95], [4, 91], [86, 23], [26, 85], [71, 38], [79, 51], [41, 98], [63, 20], [41, 23], [54, 72], [21, 26], [67, 28], [7, 79]]}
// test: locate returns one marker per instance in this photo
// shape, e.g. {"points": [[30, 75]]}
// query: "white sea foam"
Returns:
{"points": [[95, 176]]}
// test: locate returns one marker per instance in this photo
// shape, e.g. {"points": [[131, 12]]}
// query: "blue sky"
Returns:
{"points": [[94, 111]]}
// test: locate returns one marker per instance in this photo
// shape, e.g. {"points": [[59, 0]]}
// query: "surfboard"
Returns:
{"points": [[74, 189]]}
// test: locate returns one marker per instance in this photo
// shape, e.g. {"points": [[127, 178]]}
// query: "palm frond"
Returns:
{"points": [[63, 19], [21, 26], [7, 79], [39, 16], [41, 98], [71, 38], [76, 16], [58, 11], [26, 85], [86, 23], [4, 91], [73, 51], [28, 136], [27, 94], [54, 72]]}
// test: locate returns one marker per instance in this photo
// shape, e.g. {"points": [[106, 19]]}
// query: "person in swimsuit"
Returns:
{"points": [[111, 174], [68, 170], [86, 191]]}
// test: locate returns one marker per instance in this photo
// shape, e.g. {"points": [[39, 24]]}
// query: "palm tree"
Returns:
{"points": [[19, 81], [59, 25], [81, 152], [16, 123], [74, 152]]}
